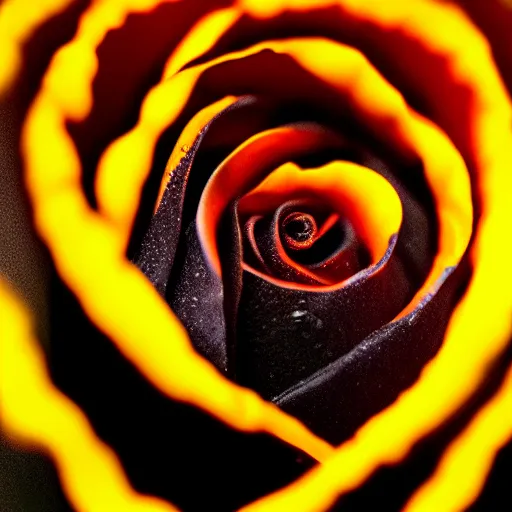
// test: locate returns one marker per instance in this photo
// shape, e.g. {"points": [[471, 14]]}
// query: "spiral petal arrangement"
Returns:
{"points": [[278, 238]]}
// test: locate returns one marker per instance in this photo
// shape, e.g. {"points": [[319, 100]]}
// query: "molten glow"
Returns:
{"points": [[35, 412], [86, 252], [471, 455]]}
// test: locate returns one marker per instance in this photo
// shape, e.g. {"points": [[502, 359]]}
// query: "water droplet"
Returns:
{"points": [[185, 148]]}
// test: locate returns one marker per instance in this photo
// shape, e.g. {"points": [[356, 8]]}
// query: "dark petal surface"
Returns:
{"points": [[197, 298], [156, 253], [373, 374], [349, 257], [303, 98], [265, 348], [283, 334], [419, 229], [286, 334], [158, 248]]}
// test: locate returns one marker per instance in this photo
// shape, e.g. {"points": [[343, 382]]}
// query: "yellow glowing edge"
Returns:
{"points": [[88, 256], [339, 184], [77, 61], [34, 412], [383, 108], [445, 170], [262, 151], [471, 455], [18, 20]]}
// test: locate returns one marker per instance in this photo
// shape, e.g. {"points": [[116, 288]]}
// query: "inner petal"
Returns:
{"points": [[248, 165], [299, 230], [346, 190], [303, 242]]}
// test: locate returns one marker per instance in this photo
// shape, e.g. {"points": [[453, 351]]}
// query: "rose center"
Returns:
{"points": [[299, 230]]}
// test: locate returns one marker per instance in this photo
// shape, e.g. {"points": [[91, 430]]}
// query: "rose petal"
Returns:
{"points": [[375, 372]]}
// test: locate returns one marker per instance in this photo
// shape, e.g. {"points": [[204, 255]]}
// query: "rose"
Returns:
{"points": [[356, 409], [59, 213]]}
